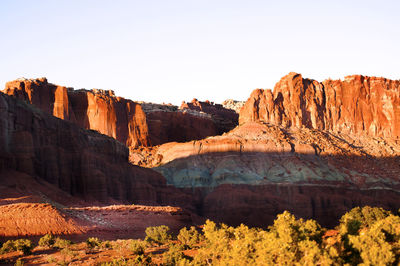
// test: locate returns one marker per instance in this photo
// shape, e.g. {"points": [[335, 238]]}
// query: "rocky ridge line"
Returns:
{"points": [[357, 105]]}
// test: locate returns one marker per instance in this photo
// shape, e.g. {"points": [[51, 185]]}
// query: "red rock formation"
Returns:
{"points": [[99, 110], [83, 163], [356, 105], [258, 170], [259, 205], [27, 219], [178, 126], [225, 119], [32, 207], [113, 116]]}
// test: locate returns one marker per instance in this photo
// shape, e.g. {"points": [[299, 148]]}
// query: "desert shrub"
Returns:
{"points": [[19, 262], [119, 262], [8, 246], [158, 234], [138, 247], [359, 218], [378, 243], [288, 241], [24, 245], [51, 259], [106, 244], [189, 237], [174, 255], [61, 243], [47, 240], [93, 242], [143, 260], [351, 224]]}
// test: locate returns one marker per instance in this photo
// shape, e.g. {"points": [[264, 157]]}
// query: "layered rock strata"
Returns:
{"points": [[134, 124], [167, 123], [81, 162], [224, 118], [233, 105], [98, 110], [259, 170], [356, 105]]}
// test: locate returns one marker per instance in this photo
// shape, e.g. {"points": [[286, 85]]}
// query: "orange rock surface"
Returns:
{"points": [[314, 148], [178, 126], [113, 116], [258, 170], [30, 219], [356, 105], [99, 110], [81, 162], [225, 119]]}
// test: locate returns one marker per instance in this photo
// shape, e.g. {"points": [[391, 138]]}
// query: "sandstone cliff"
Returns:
{"points": [[99, 110], [258, 170], [356, 105], [113, 116], [83, 163], [225, 119], [315, 149], [167, 123]]}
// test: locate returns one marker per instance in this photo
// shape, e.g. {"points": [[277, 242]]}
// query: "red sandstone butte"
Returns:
{"points": [[98, 110], [134, 124], [81, 162], [225, 119], [167, 123], [355, 105]]}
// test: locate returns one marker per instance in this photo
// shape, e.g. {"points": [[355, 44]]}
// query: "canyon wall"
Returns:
{"points": [[258, 170], [224, 118], [81, 162], [113, 116], [98, 110], [303, 147], [356, 105], [168, 123]]}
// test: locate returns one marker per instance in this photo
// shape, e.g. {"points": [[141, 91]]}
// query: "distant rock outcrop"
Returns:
{"points": [[314, 148], [225, 119], [98, 110], [258, 170], [132, 123], [81, 162], [167, 123], [356, 105], [233, 105], [303, 148]]}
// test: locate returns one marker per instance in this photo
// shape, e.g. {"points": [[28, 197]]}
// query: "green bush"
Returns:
{"points": [[174, 255], [47, 240], [61, 243], [19, 262], [377, 244], [158, 234], [93, 242], [142, 260], [138, 247], [8, 246], [106, 244], [24, 245], [189, 237], [119, 262], [359, 218]]}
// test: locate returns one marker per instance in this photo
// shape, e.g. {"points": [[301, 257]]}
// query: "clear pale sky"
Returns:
{"points": [[170, 51]]}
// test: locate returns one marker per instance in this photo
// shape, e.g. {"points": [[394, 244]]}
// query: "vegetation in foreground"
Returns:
{"points": [[366, 236]]}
